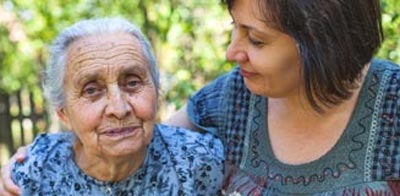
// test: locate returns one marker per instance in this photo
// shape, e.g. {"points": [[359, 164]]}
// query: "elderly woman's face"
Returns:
{"points": [[110, 97]]}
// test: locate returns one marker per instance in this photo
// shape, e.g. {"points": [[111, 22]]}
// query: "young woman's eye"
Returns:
{"points": [[255, 42]]}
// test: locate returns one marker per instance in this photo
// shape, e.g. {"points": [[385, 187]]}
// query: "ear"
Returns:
{"points": [[63, 116]]}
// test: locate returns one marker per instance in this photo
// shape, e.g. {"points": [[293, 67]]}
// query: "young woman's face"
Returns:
{"points": [[269, 60], [110, 97]]}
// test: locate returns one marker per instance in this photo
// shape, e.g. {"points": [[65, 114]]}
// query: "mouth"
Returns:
{"points": [[246, 74], [120, 132]]}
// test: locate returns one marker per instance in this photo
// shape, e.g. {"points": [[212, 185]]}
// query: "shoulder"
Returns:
{"points": [[181, 140], [385, 86], [45, 157], [199, 156], [388, 68], [385, 81], [50, 147], [48, 142], [385, 64]]}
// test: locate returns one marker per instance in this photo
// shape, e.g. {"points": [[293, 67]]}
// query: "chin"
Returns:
{"points": [[260, 90], [257, 90], [131, 149]]}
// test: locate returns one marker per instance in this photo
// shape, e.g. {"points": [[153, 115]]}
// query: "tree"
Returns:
{"points": [[189, 38], [391, 23], [189, 47]]}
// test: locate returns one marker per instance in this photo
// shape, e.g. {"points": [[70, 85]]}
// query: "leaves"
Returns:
{"points": [[189, 38], [391, 23]]}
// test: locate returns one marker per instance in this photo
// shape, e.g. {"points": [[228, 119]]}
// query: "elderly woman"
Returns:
{"points": [[102, 80]]}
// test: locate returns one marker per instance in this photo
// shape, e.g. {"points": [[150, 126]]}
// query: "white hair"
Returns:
{"points": [[53, 83]]}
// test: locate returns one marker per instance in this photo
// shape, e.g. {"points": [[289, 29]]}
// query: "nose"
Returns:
{"points": [[236, 51], [118, 105]]}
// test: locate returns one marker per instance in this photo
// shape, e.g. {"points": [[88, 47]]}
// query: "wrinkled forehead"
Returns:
{"points": [[104, 49]]}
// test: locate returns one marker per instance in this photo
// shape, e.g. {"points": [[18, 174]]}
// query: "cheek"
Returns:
{"points": [[145, 106], [275, 62], [148, 132], [86, 116]]}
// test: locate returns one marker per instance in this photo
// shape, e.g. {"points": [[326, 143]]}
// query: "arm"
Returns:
{"points": [[205, 111], [7, 186], [181, 119]]}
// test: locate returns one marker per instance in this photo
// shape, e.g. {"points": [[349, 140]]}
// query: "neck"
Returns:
{"points": [[105, 168]]}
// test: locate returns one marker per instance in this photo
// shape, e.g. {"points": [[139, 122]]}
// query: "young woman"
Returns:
{"points": [[307, 111]]}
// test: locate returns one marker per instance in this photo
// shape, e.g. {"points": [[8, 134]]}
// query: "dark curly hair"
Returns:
{"points": [[336, 39]]}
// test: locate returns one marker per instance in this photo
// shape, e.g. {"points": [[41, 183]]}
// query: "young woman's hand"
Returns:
{"points": [[7, 186]]}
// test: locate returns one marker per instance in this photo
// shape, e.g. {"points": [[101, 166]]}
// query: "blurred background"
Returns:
{"points": [[189, 39]]}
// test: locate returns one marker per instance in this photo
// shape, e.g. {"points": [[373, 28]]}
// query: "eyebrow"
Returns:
{"points": [[88, 75], [139, 69], [253, 28], [248, 27], [265, 33]]}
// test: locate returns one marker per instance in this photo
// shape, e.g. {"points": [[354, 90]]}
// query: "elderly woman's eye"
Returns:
{"points": [[133, 83], [91, 90]]}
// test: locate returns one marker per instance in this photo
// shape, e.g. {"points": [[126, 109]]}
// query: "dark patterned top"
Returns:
{"points": [[178, 162], [364, 161]]}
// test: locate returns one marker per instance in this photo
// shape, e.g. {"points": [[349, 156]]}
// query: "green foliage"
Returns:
{"points": [[391, 23], [189, 38]]}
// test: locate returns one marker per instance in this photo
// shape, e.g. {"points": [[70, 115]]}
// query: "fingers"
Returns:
{"points": [[21, 153], [7, 186], [4, 193]]}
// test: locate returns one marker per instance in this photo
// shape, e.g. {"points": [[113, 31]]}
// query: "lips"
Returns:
{"points": [[246, 74], [119, 132]]}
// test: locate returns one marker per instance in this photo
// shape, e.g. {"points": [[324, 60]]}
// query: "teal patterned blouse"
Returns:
{"points": [[365, 160], [178, 162]]}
